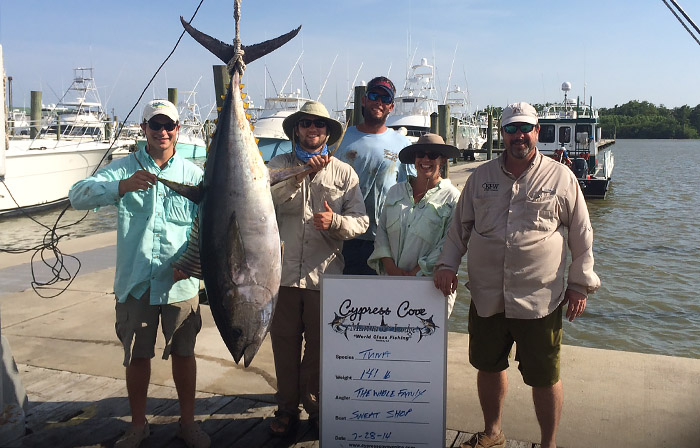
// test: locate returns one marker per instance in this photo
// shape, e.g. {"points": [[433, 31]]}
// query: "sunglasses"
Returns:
{"points": [[430, 155], [306, 123], [155, 126], [513, 128], [374, 96]]}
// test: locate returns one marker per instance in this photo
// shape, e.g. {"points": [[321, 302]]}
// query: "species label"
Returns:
{"points": [[383, 362]]}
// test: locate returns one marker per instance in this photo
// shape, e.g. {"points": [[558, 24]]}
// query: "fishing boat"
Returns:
{"points": [[570, 133], [416, 102], [37, 170], [267, 128], [468, 136]]}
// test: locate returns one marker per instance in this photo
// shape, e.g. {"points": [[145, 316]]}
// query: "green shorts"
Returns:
{"points": [[538, 345], [137, 327]]}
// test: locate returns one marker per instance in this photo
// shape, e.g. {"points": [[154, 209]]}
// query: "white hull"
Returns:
{"points": [[36, 178]]}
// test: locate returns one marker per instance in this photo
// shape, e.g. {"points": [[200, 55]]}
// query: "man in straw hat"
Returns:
{"points": [[372, 149], [416, 214], [517, 213], [316, 212]]}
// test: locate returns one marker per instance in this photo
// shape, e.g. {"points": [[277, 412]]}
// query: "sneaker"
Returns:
{"points": [[481, 440], [133, 437], [193, 436]]}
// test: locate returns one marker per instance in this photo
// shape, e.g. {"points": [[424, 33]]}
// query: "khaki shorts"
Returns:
{"points": [[137, 327], [538, 345]]}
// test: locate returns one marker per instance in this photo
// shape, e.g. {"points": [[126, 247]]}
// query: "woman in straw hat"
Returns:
{"points": [[316, 211], [416, 214]]}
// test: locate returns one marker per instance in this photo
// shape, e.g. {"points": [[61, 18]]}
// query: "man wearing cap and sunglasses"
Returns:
{"points": [[517, 214], [316, 211], [153, 225], [372, 150]]}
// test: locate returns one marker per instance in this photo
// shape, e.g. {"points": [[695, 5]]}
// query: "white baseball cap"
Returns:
{"points": [[519, 113], [160, 107]]}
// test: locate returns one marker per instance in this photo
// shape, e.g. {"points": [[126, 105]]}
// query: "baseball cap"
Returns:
{"points": [[160, 107], [519, 113], [382, 83]]}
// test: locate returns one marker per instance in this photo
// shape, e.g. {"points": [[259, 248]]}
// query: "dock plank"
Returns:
{"points": [[79, 410]]}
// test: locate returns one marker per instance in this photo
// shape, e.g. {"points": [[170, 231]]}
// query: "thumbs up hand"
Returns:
{"points": [[323, 220]]}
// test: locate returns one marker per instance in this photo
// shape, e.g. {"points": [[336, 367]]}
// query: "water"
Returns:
{"points": [[647, 252]]}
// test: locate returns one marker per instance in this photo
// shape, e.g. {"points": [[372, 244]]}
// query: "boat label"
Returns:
{"points": [[383, 362]]}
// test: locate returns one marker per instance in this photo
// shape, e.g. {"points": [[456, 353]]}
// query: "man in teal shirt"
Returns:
{"points": [[152, 230]]}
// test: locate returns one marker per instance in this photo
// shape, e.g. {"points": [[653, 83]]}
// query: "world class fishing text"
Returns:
{"points": [[355, 313]]}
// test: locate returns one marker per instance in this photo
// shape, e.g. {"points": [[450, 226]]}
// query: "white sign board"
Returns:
{"points": [[383, 362]]}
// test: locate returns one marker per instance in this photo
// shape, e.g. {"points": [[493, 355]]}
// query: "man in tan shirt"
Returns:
{"points": [[514, 214], [316, 212]]}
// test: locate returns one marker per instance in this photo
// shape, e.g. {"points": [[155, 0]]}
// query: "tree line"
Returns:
{"points": [[642, 119]]}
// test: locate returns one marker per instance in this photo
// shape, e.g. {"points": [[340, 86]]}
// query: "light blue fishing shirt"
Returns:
{"points": [[152, 226], [375, 158]]}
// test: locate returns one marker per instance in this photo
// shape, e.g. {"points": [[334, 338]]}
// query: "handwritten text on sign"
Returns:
{"points": [[383, 352]]}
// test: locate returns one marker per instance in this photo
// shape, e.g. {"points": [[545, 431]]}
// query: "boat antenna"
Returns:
{"points": [[303, 78], [272, 81], [681, 20], [327, 76], [449, 77], [291, 71], [351, 89]]}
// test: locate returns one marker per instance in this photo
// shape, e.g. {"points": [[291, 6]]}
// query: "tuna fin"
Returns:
{"points": [[220, 49], [226, 52], [189, 261], [257, 51], [191, 192], [278, 175]]}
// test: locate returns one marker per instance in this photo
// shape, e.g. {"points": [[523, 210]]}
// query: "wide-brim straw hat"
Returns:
{"points": [[335, 129], [428, 143]]}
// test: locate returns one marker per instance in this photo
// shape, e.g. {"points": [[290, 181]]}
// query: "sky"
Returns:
{"points": [[499, 51]]}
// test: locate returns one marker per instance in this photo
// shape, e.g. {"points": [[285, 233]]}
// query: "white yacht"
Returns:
{"points": [[38, 172], [467, 132], [416, 102], [267, 127]]}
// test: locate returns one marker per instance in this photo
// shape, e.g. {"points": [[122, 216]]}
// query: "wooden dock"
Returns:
{"points": [[70, 409], [604, 143]]}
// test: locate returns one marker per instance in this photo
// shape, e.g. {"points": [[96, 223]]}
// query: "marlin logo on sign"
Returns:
{"points": [[487, 186]]}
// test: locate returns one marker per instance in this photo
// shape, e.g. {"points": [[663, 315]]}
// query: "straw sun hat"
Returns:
{"points": [[335, 129]]}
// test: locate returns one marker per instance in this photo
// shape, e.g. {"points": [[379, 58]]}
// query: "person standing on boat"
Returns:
{"points": [[316, 211], [372, 150], [416, 214], [517, 214], [152, 231]]}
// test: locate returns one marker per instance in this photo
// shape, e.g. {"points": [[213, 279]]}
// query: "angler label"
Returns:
{"points": [[383, 362]]}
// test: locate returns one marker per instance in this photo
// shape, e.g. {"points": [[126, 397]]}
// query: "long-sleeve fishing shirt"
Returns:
{"points": [[152, 225], [412, 234], [516, 232], [308, 252]]}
